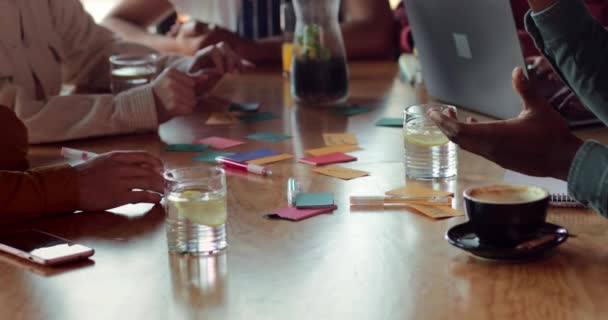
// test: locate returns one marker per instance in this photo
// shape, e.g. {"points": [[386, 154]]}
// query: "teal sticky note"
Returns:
{"points": [[244, 107], [210, 156], [314, 200], [268, 137], [390, 122], [186, 147], [353, 110], [257, 117]]}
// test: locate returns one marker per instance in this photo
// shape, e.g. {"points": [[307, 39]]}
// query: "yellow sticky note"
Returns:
{"points": [[272, 159], [222, 118], [341, 172], [334, 139], [436, 212], [416, 191], [333, 149]]}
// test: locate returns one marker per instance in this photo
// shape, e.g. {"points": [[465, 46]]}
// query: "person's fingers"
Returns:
{"points": [[182, 79], [448, 125], [138, 158], [218, 60], [137, 171], [149, 183], [531, 99], [140, 197], [182, 92]]}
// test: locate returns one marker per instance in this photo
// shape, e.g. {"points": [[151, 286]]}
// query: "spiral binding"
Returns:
{"points": [[562, 200]]}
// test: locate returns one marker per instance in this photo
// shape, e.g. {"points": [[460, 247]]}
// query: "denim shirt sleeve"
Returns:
{"points": [[588, 177], [577, 47]]}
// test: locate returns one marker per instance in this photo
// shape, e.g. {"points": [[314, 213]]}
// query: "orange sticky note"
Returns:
{"points": [[271, 159], [436, 212], [222, 118], [341, 172], [333, 149], [416, 191], [335, 139]]}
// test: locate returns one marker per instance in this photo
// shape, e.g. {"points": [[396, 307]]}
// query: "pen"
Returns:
{"points": [[253, 168], [381, 201], [76, 154]]}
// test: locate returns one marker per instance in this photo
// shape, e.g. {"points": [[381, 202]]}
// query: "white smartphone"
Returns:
{"points": [[43, 248]]}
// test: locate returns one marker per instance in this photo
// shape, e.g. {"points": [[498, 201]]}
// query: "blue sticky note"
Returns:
{"points": [[353, 110], [257, 117], [390, 122], [268, 136], [252, 155], [186, 147], [244, 107], [210, 156], [314, 200]]}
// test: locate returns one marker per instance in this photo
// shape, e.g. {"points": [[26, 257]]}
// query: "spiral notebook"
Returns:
{"points": [[557, 188]]}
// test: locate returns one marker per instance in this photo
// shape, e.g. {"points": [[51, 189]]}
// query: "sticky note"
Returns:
{"points": [[257, 117], [210, 156], [341, 172], [295, 214], [333, 149], [244, 107], [186, 147], [416, 191], [221, 143], [252, 155], [334, 139], [390, 122], [326, 159], [217, 118], [314, 200], [272, 159], [268, 137], [353, 110], [436, 212]]}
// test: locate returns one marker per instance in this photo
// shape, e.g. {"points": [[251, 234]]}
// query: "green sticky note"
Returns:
{"points": [[268, 137], [257, 117], [244, 107], [353, 110], [314, 200], [210, 156], [390, 122], [186, 147]]}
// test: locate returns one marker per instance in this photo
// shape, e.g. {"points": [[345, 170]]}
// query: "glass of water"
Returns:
{"points": [[196, 210], [132, 70], [428, 152]]}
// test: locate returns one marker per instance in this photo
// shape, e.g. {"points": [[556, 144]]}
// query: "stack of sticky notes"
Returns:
{"points": [[334, 152], [429, 210], [307, 205]]}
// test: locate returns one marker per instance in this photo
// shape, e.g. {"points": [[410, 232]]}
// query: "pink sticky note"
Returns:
{"points": [[337, 157], [220, 143], [295, 214]]}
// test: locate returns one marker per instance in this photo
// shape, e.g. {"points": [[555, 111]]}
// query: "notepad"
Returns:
{"points": [[333, 149], [269, 136], [341, 172], [417, 191], [390, 122], [334, 139], [295, 214], [252, 155], [186, 147], [557, 188], [271, 159], [221, 143], [218, 118], [314, 200], [257, 117], [353, 110], [210, 156], [326, 159]]}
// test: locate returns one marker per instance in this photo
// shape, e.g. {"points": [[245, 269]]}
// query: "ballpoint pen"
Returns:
{"points": [[75, 154], [381, 201], [249, 167]]}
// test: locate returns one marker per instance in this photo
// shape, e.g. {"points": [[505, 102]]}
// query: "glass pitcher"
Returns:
{"points": [[319, 74]]}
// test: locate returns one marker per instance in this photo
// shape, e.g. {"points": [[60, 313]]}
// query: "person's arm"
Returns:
{"points": [[576, 45], [368, 29], [131, 18]]}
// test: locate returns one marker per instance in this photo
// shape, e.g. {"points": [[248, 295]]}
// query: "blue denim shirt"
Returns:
{"points": [[577, 47]]}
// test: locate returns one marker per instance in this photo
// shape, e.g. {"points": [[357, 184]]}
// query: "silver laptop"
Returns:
{"points": [[467, 50]]}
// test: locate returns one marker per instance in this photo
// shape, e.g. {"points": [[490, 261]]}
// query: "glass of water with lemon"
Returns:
{"points": [[196, 210], [428, 152]]}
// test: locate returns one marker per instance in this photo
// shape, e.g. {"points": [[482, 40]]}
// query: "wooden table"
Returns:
{"points": [[346, 265]]}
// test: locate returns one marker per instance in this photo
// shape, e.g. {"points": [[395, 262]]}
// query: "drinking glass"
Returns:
{"points": [[428, 152], [196, 210], [132, 70]]}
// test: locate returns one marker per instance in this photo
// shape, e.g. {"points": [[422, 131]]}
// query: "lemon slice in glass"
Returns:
{"points": [[434, 139], [208, 212]]}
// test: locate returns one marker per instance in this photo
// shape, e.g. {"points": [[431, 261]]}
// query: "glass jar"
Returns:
{"points": [[319, 73]]}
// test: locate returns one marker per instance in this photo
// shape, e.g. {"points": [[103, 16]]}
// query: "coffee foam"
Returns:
{"points": [[507, 194]]}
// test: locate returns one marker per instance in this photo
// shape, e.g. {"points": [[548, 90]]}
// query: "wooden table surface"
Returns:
{"points": [[347, 265]]}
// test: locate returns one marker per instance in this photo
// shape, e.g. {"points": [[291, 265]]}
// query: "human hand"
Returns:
{"points": [[175, 93], [218, 58], [189, 36], [537, 142], [107, 181], [540, 5]]}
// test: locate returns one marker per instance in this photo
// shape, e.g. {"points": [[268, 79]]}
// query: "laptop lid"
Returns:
{"points": [[467, 50]]}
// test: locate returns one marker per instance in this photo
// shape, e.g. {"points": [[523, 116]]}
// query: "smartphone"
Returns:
{"points": [[43, 248]]}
